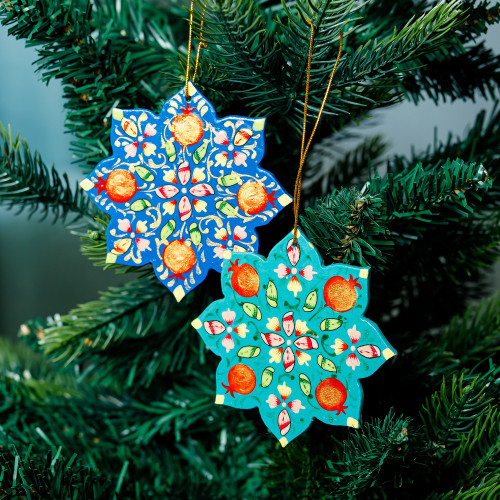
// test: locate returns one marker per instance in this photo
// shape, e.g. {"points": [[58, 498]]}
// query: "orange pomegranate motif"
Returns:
{"points": [[252, 197], [187, 128], [241, 379], [245, 279], [120, 186], [331, 395], [179, 257], [341, 294]]}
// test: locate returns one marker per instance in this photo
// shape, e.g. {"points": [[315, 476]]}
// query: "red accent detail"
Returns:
{"points": [[231, 391], [271, 199], [177, 277], [234, 266], [101, 185], [341, 409], [354, 282], [186, 111]]}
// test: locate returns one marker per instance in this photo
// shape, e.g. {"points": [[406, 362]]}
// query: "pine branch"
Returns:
{"points": [[127, 311], [384, 456], [457, 347], [453, 411], [461, 426], [441, 281], [468, 339], [367, 78], [133, 335], [360, 226], [26, 183], [463, 76], [487, 487], [479, 450], [418, 279], [462, 67], [348, 226], [94, 246], [456, 68], [297, 464], [242, 51], [50, 475], [327, 18], [105, 55], [177, 437]]}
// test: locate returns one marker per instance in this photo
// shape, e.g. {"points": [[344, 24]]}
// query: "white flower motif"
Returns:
{"points": [[135, 137], [304, 342], [185, 203], [367, 351], [123, 244], [295, 406], [293, 252], [224, 235], [216, 327]]}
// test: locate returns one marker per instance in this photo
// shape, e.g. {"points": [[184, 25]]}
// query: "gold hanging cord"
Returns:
{"points": [[200, 45], [304, 150]]}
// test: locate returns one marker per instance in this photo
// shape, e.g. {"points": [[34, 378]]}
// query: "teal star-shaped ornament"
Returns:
{"points": [[182, 187], [292, 337]]}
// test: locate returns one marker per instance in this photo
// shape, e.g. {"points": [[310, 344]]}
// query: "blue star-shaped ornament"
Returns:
{"points": [[292, 337], [182, 187]]}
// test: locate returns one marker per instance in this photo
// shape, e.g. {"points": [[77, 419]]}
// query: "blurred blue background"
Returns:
{"points": [[41, 269]]}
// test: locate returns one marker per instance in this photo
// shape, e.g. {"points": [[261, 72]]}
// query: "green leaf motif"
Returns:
{"points": [[252, 310], [229, 180], [311, 301], [170, 150], [326, 364], [195, 234], [226, 208], [139, 205], [267, 376], [330, 324], [167, 229], [305, 384], [144, 174], [272, 294], [249, 351], [200, 153]]}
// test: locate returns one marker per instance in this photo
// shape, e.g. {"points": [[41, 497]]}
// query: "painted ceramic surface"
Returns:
{"points": [[292, 338], [182, 187]]}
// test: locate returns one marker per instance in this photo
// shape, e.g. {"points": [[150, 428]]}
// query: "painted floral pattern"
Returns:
{"points": [[304, 350], [182, 187]]}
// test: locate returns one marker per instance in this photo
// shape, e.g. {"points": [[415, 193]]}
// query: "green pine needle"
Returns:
{"points": [[27, 184]]}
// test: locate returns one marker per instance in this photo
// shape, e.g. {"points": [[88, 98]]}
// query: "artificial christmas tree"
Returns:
{"points": [[115, 399]]}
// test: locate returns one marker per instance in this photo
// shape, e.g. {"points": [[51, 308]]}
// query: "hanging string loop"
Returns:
{"points": [[305, 147], [200, 45]]}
